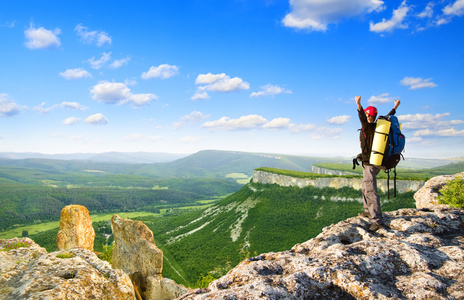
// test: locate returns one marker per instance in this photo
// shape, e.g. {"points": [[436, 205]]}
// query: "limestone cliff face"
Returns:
{"points": [[334, 182]]}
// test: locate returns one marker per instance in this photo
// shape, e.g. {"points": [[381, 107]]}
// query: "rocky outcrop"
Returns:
{"points": [[31, 273], [76, 229], [420, 256], [427, 196], [136, 254], [333, 182]]}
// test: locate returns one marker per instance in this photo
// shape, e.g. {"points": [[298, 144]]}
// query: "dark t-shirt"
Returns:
{"points": [[366, 135]]}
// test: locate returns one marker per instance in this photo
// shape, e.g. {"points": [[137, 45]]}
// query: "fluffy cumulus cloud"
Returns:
{"points": [[428, 125], [270, 90], [242, 123], [119, 93], [217, 83], [193, 117], [97, 119], [456, 9], [71, 121], [417, 83], [317, 15], [8, 107], [75, 74], [339, 120], [380, 99], [41, 38], [92, 37], [163, 71], [395, 22], [249, 122]]}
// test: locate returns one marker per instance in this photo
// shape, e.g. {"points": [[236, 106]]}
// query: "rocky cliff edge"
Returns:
{"points": [[420, 255]]}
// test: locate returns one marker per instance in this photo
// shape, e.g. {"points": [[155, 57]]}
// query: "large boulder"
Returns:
{"points": [[420, 256], [427, 195], [135, 252], [31, 273], [76, 229]]}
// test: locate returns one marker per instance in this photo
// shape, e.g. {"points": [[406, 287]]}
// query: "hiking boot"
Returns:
{"points": [[364, 214]]}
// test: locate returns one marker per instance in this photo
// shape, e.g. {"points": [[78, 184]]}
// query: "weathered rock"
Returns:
{"points": [[136, 254], [159, 288], [76, 229], [421, 256], [32, 273], [427, 195]]}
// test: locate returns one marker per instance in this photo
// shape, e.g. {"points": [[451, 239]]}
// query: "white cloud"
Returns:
{"points": [[140, 99], [71, 121], [427, 12], [163, 71], [457, 8], [242, 123], [75, 74], [40, 38], [217, 83], [424, 121], [339, 120], [417, 83], [278, 123], [110, 92], [8, 107], [119, 93], [73, 105], [200, 96], [97, 64], [249, 122], [439, 132], [97, 119], [119, 63], [317, 15], [428, 125], [98, 37], [193, 117], [395, 22], [270, 90], [42, 109], [380, 99]]}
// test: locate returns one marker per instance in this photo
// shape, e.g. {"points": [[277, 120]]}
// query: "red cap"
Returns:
{"points": [[371, 111]]}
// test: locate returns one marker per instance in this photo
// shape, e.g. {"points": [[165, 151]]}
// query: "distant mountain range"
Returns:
{"points": [[114, 157]]}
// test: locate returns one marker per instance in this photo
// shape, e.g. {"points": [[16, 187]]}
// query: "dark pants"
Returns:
{"points": [[371, 199]]}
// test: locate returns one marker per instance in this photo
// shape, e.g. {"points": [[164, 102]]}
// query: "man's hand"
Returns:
{"points": [[358, 102], [397, 103]]}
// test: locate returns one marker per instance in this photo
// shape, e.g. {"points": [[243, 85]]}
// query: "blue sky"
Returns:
{"points": [[255, 76]]}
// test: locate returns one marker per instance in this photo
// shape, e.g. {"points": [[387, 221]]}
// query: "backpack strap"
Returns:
{"points": [[388, 183]]}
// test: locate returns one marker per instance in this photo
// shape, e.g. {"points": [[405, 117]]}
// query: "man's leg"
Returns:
{"points": [[371, 199]]}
